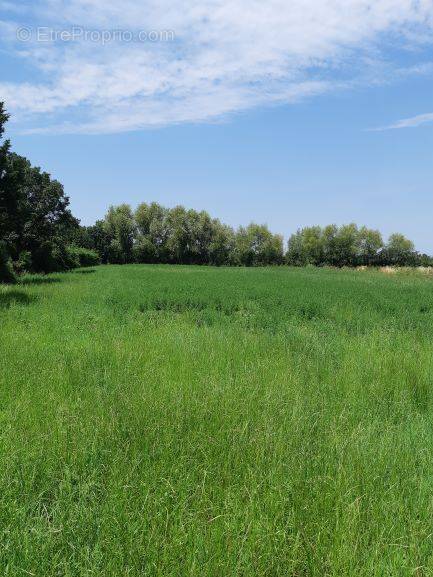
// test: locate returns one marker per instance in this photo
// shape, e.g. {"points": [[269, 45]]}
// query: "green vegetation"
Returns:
{"points": [[7, 274], [171, 421], [155, 234], [37, 229], [38, 233], [351, 246]]}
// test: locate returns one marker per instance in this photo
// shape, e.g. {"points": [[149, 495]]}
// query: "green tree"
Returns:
{"points": [[329, 245], [153, 233], [255, 245], [35, 215], [200, 228], [179, 241], [99, 240], [295, 255], [222, 244], [36, 224], [306, 247], [346, 246], [120, 229], [334, 246], [370, 244], [399, 251], [144, 250], [6, 272], [145, 215], [180, 236], [313, 245]]}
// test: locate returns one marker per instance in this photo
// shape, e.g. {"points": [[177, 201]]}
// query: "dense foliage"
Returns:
{"points": [[351, 246], [155, 234], [36, 225]]}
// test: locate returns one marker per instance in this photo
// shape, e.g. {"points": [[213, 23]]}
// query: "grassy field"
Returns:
{"points": [[184, 421]]}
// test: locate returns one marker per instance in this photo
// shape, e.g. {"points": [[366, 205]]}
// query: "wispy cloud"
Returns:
{"points": [[412, 122], [226, 56]]}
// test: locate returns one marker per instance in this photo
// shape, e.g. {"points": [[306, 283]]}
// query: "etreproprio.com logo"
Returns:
{"points": [[80, 34]]}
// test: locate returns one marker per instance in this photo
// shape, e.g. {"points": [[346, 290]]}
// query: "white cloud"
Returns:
{"points": [[412, 122], [227, 56]]}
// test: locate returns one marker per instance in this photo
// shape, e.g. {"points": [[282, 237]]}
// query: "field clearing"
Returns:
{"points": [[192, 421]]}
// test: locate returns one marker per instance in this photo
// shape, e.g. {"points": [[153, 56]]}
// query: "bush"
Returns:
{"points": [[24, 264], [425, 260], [51, 257], [89, 257], [83, 257], [54, 257], [7, 274], [47, 258]]}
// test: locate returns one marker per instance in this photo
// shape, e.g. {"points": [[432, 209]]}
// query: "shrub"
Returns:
{"points": [[24, 263], [7, 274], [83, 256], [53, 257], [46, 258], [59, 258], [67, 259]]}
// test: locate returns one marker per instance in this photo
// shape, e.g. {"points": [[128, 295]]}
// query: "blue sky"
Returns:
{"points": [[288, 113]]}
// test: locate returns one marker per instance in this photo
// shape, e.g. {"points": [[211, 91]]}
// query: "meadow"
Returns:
{"points": [[178, 421]]}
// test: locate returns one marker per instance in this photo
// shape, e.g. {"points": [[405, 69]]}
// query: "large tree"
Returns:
{"points": [[4, 154], [255, 245], [399, 251], [347, 245], [306, 246], [6, 270], [38, 217], [222, 244], [120, 228], [35, 220], [4, 146], [181, 236], [370, 244]]}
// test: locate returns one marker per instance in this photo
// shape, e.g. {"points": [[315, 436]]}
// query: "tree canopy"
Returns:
{"points": [[156, 234], [36, 224], [153, 233], [349, 245]]}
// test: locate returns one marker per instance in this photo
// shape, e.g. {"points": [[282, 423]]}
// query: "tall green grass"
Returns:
{"points": [[183, 421]]}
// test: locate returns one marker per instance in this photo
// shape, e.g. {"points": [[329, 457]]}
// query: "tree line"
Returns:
{"points": [[351, 246], [155, 234], [38, 233]]}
